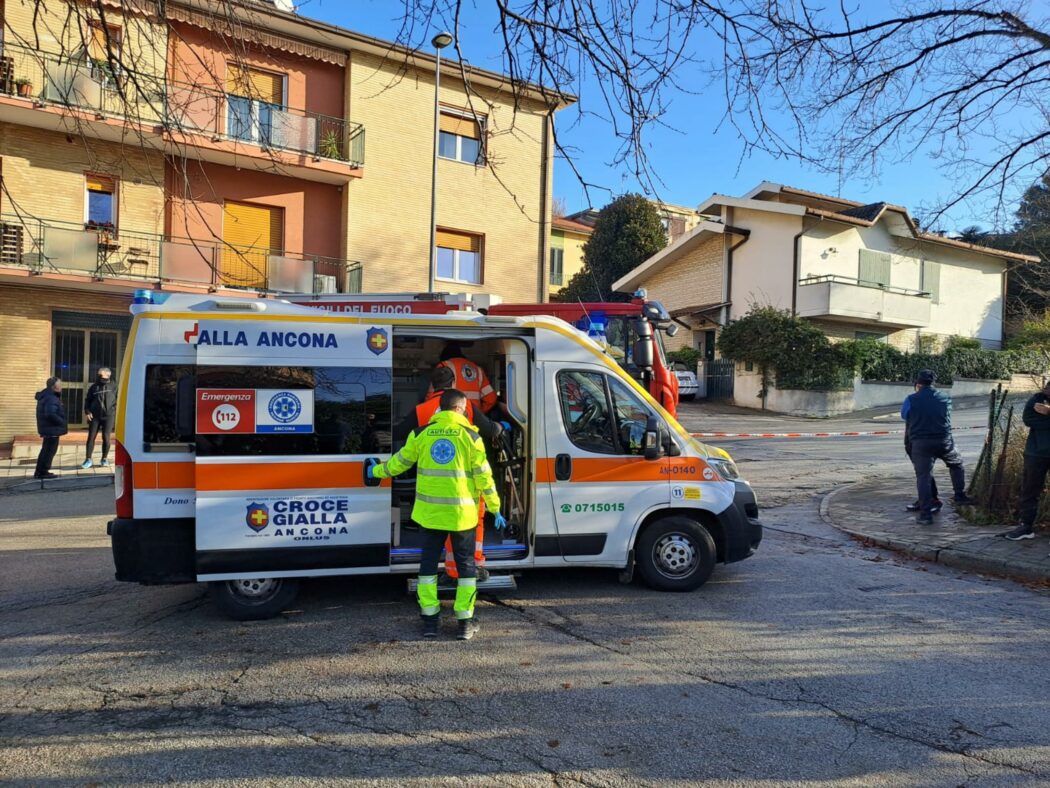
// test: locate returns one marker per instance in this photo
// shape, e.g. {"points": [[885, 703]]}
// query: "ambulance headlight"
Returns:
{"points": [[726, 468]]}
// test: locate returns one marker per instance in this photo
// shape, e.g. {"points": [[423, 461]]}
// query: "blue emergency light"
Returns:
{"points": [[144, 296]]}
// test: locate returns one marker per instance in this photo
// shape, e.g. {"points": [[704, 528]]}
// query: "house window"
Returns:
{"points": [[103, 41], [557, 276], [100, 201], [873, 335], [460, 136], [557, 267], [931, 280], [459, 257], [253, 98], [874, 268]]}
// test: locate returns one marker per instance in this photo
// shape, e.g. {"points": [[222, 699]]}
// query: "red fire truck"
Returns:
{"points": [[622, 327]]}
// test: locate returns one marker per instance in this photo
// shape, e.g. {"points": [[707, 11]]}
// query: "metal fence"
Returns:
{"points": [[720, 375], [64, 247]]}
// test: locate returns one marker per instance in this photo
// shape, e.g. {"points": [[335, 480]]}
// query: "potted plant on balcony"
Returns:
{"points": [[330, 147], [24, 87]]}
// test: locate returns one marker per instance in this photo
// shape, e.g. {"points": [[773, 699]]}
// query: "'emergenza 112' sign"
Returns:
{"points": [[254, 411]]}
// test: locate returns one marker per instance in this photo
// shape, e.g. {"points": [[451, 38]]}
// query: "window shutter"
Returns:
{"points": [[97, 42], [462, 241], [260, 85], [464, 127], [557, 239], [931, 280], [874, 267], [101, 183], [254, 232]]}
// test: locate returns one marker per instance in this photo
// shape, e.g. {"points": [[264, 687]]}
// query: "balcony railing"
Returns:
{"points": [[846, 280], [44, 246], [95, 86], [860, 301]]}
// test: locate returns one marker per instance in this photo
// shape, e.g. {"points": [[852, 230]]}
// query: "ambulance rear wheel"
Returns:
{"points": [[255, 598], [675, 554]]}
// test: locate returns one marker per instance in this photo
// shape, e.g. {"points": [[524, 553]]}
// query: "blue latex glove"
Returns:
{"points": [[501, 522], [370, 468], [505, 425]]}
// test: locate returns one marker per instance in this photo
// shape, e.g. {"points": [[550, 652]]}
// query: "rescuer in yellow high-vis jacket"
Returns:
{"points": [[452, 473]]}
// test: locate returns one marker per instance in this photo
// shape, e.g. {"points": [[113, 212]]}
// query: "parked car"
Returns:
{"points": [[688, 385]]}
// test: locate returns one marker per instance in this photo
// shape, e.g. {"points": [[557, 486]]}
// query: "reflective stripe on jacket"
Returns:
{"points": [[452, 472], [473, 382]]}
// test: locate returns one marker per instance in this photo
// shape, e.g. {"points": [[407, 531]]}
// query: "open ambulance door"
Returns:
{"points": [[286, 413]]}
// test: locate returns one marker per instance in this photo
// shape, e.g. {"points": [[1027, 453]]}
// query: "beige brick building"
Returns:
{"points": [[149, 145]]}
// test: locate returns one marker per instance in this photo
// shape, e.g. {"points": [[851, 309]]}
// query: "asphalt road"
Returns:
{"points": [[818, 660]]}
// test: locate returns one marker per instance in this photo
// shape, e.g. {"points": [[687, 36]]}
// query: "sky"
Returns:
{"points": [[696, 157]]}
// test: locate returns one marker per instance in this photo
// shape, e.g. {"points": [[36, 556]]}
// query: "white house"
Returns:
{"points": [[858, 270]]}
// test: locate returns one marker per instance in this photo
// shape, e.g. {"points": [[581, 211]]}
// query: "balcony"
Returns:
{"points": [[103, 253], [179, 119], [857, 301]]}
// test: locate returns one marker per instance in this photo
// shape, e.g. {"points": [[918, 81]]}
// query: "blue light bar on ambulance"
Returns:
{"points": [[144, 296]]}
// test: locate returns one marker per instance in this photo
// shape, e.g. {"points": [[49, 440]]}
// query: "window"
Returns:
{"points": [[931, 280], [458, 257], [602, 414], [351, 408], [459, 137], [253, 96], [251, 233], [100, 204], [862, 335], [874, 268], [557, 267]]}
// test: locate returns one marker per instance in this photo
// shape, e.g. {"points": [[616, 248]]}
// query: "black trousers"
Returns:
{"points": [[101, 427], [934, 495], [924, 453], [434, 544], [48, 447], [1033, 479]]}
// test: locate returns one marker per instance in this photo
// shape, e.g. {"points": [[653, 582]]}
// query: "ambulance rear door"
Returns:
{"points": [[286, 413]]}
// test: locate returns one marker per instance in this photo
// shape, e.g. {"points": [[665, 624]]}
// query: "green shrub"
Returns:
{"points": [[687, 355], [965, 343]]}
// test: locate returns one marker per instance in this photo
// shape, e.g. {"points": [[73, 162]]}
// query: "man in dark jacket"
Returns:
{"points": [[100, 407], [929, 423], [1036, 462], [50, 425]]}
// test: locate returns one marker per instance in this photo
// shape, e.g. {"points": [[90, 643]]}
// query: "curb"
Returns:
{"points": [[953, 557], [57, 485]]}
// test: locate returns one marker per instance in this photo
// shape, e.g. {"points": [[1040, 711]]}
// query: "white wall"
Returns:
{"points": [[970, 283], [763, 265]]}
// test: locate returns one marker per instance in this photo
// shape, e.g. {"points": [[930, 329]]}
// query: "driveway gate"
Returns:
{"points": [[719, 375]]}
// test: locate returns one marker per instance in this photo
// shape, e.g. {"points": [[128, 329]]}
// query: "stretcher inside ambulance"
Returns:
{"points": [[245, 427]]}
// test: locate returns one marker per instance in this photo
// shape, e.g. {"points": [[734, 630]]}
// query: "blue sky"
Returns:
{"points": [[694, 157]]}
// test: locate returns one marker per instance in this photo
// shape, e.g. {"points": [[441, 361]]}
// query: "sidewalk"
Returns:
{"points": [[874, 510], [17, 476]]}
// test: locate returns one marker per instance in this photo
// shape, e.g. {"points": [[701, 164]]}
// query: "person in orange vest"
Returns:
{"points": [[469, 378], [442, 379]]}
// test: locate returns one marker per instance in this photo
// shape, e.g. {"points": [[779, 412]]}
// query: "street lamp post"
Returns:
{"points": [[440, 41]]}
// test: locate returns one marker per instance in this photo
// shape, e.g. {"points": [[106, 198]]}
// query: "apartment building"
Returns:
{"points": [[220, 147]]}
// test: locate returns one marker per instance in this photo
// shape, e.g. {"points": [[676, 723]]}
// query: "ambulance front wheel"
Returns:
{"points": [[255, 598], [675, 554]]}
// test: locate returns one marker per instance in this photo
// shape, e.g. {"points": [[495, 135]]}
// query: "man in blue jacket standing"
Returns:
{"points": [[928, 413], [50, 425]]}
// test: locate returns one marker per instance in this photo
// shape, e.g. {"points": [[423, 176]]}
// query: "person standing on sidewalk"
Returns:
{"points": [[100, 407], [1036, 462], [938, 504], [929, 425], [51, 424]]}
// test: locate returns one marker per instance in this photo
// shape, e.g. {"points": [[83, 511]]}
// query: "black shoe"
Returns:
{"points": [[936, 506], [924, 519], [1020, 532], [912, 507], [965, 500], [45, 475], [483, 574], [468, 627], [430, 625]]}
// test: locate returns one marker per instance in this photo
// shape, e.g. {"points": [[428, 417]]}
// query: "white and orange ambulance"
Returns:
{"points": [[245, 425]]}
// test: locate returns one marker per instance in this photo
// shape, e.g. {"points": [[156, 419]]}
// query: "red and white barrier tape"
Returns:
{"points": [[878, 433]]}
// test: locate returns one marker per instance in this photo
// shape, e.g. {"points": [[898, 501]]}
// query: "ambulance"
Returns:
{"points": [[245, 426]]}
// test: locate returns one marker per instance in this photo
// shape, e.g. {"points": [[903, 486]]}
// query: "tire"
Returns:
{"points": [[254, 599], [675, 554], [686, 397]]}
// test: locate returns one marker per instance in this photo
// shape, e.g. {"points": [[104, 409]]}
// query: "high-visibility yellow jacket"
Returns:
{"points": [[452, 473]]}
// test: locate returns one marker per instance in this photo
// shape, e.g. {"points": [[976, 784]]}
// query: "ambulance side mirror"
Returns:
{"points": [[652, 449]]}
